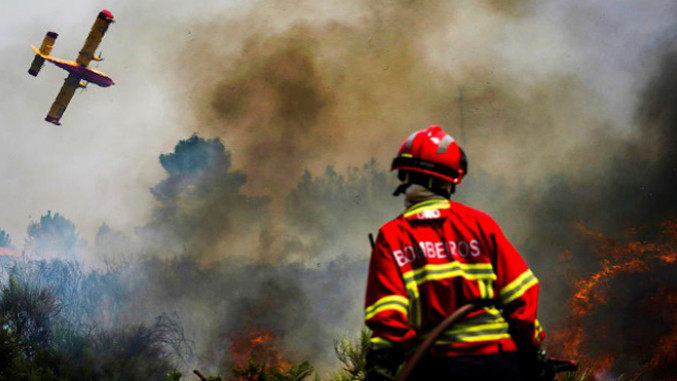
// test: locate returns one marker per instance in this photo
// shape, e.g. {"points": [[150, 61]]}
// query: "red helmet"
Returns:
{"points": [[432, 152]]}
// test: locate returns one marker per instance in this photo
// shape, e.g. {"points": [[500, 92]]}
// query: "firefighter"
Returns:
{"points": [[437, 256]]}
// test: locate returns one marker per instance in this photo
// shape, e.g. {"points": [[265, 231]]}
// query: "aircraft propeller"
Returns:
{"points": [[98, 58]]}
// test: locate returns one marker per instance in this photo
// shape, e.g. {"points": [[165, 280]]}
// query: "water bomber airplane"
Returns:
{"points": [[80, 74]]}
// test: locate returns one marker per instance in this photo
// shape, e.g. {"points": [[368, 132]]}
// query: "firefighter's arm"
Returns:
{"points": [[386, 313], [518, 292]]}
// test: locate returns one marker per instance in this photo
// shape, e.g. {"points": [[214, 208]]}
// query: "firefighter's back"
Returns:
{"points": [[446, 261]]}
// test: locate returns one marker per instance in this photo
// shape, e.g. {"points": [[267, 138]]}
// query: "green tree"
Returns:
{"points": [[258, 371], [27, 312], [53, 236], [352, 353], [5, 241]]}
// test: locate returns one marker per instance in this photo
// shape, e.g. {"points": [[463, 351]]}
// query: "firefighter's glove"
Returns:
{"points": [[534, 366], [382, 364]]}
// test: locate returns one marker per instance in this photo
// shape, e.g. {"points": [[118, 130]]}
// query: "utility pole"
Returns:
{"points": [[461, 116]]}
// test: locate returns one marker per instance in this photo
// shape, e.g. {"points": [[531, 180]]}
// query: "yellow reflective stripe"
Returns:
{"points": [[488, 326], [421, 208], [427, 205], [518, 287], [429, 202], [377, 343], [391, 302], [414, 305], [489, 284], [470, 271], [482, 332], [486, 288], [538, 331], [477, 328], [491, 315]]}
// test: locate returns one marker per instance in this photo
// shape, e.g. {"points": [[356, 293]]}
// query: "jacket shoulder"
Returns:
{"points": [[393, 224], [468, 212]]}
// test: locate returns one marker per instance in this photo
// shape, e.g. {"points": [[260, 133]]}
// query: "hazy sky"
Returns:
{"points": [[101, 162], [99, 165]]}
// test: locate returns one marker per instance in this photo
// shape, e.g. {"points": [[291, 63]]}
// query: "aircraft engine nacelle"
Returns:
{"points": [[45, 49]]}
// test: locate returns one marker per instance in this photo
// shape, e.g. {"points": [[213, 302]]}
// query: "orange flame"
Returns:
{"points": [[666, 348], [264, 338], [257, 345], [633, 256]]}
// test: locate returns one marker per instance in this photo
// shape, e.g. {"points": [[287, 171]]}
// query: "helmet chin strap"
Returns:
{"points": [[434, 185]]}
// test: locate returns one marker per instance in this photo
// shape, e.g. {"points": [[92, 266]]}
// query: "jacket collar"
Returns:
{"points": [[427, 210]]}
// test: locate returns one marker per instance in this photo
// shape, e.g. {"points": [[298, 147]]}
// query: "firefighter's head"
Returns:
{"points": [[430, 158]]}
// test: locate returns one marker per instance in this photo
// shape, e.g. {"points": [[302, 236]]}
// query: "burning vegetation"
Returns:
{"points": [[259, 346], [622, 316]]}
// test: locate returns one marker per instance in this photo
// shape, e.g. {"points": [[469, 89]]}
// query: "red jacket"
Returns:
{"points": [[432, 259]]}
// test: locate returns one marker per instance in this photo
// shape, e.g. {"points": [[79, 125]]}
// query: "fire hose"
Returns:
{"points": [[552, 366]]}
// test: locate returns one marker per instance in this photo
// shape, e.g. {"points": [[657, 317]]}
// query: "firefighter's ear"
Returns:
{"points": [[447, 186]]}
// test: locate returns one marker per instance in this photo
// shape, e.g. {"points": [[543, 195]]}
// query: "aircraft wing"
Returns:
{"points": [[93, 40], [61, 102]]}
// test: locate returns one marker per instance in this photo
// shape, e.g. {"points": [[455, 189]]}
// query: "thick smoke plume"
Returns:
{"points": [[304, 90]]}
